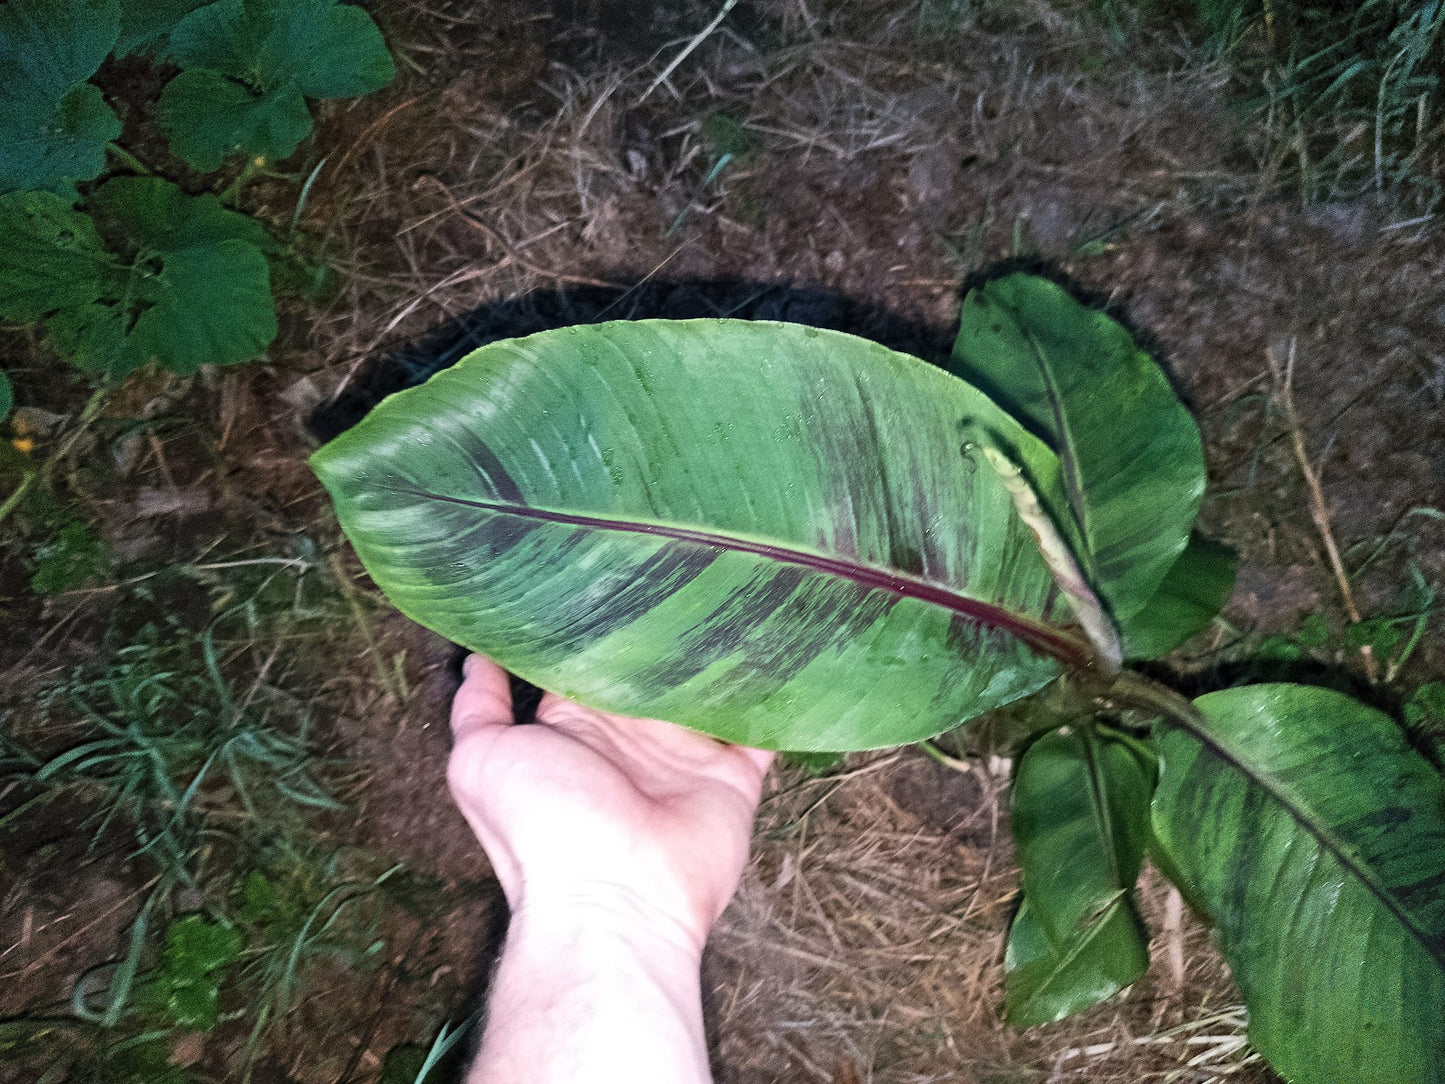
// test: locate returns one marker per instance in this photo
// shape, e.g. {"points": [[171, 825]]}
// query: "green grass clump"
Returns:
{"points": [[170, 739], [186, 748], [1348, 95]]}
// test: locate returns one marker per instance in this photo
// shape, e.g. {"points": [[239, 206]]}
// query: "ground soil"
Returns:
{"points": [[538, 165]]}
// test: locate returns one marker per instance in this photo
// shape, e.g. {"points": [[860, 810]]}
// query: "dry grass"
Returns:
{"points": [[873, 157], [867, 939]]}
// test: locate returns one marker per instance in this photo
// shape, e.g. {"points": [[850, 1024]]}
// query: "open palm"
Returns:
{"points": [[584, 808]]}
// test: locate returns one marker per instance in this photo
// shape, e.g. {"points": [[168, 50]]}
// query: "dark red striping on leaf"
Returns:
{"points": [[648, 586], [732, 625], [772, 660], [501, 537], [1041, 637], [489, 468], [1211, 784]]}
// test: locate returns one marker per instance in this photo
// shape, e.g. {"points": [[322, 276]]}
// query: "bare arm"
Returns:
{"points": [[618, 842]]}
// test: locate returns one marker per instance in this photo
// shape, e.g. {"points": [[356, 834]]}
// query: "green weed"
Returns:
{"points": [[1424, 713], [943, 17], [117, 260], [128, 1038], [184, 991], [728, 142], [187, 739], [441, 1061], [173, 748], [71, 555], [1391, 638], [302, 910], [172, 740], [1347, 96]]}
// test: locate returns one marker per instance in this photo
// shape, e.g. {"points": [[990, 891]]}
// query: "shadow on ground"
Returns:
{"points": [[543, 310]]}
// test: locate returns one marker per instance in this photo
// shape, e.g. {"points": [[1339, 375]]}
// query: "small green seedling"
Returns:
{"points": [[184, 990], [67, 558]]}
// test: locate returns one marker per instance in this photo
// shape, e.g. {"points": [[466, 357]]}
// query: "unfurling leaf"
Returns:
{"points": [[1080, 819], [732, 525], [1055, 551], [1314, 836]]}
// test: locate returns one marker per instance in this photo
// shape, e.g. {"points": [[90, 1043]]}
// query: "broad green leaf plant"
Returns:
{"points": [[249, 66], [801, 540], [121, 264]]}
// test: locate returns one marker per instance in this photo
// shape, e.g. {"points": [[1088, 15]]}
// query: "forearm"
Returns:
{"points": [[582, 996]]}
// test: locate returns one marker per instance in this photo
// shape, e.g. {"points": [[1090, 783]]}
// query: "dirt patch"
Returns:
{"points": [[47, 927]]}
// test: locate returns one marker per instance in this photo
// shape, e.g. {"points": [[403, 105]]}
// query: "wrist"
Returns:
{"points": [[607, 921], [593, 986]]}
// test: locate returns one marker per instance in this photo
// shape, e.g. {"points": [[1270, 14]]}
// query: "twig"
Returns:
{"points": [[382, 1000], [212, 566], [642, 281], [1173, 936], [508, 249], [701, 37], [130, 160], [68, 938], [957, 764], [363, 139], [1319, 510], [18, 493], [42, 474]]}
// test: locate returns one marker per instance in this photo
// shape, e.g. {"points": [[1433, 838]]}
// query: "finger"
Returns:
{"points": [[484, 699], [761, 759]]}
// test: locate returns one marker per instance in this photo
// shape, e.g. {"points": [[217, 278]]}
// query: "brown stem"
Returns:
{"points": [[1134, 690], [1319, 510]]}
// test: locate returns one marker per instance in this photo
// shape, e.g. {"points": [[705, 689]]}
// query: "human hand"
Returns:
{"points": [[640, 821]]}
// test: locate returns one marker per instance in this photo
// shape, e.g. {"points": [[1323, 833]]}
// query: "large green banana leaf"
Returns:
{"points": [[768, 532], [1080, 810], [1132, 458], [1315, 838]]}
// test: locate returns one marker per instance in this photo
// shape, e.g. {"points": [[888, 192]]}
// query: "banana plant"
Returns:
{"points": [[800, 540]]}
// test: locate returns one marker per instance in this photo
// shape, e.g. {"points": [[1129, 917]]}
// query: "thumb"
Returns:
{"points": [[484, 700]]}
